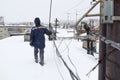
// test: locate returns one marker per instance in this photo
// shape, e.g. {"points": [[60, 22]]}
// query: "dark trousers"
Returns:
{"points": [[41, 55]]}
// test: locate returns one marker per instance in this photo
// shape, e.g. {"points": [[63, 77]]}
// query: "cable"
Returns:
{"points": [[71, 60], [73, 76], [76, 5], [59, 70], [68, 55], [60, 43], [74, 67], [66, 47], [49, 36], [100, 61]]}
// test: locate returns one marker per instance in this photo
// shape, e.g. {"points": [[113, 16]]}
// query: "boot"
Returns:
{"points": [[41, 63], [36, 60]]}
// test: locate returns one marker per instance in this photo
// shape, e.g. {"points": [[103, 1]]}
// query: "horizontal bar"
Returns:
{"points": [[91, 15]]}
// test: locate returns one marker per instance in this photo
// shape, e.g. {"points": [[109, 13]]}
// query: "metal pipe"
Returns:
{"points": [[92, 15], [50, 13]]}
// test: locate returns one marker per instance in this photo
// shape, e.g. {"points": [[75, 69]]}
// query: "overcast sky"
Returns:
{"points": [[27, 10]]}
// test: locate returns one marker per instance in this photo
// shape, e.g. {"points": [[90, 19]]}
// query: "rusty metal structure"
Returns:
{"points": [[109, 52], [109, 68], [111, 28]]}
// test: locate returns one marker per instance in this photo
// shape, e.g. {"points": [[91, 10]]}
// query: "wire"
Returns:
{"points": [[70, 71], [76, 5], [74, 67], [100, 61], [59, 70], [73, 76], [60, 43], [49, 36], [66, 47]]}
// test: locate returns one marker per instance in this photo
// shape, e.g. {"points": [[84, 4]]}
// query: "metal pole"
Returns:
{"points": [[76, 16], [88, 46], [93, 15], [102, 54], [68, 19], [113, 33], [50, 13], [56, 24], [50, 28], [102, 49]]}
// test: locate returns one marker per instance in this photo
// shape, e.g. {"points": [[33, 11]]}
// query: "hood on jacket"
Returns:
{"points": [[37, 22]]}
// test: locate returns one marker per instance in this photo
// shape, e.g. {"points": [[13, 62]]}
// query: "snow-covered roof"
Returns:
{"points": [[17, 60]]}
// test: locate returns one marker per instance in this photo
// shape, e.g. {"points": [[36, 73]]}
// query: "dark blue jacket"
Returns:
{"points": [[37, 36]]}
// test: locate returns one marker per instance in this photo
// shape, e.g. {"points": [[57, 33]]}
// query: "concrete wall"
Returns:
{"points": [[6, 31]]}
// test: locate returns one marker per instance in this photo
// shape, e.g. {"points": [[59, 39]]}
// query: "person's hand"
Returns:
{"points": [[31, 44]]}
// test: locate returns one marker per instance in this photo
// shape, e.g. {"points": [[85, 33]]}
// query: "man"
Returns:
{"points": [[37, 39]]}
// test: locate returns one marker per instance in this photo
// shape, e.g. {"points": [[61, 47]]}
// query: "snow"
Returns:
{"points": [[17, 60]]}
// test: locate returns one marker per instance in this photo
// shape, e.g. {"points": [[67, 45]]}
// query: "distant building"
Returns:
{"points": [[4, 32], [1, 20]]}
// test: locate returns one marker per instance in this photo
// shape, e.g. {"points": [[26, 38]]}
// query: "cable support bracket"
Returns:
{"points": [[107, 41]]}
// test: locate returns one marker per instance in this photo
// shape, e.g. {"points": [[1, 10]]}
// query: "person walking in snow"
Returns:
{"points": [[37, 40]]}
